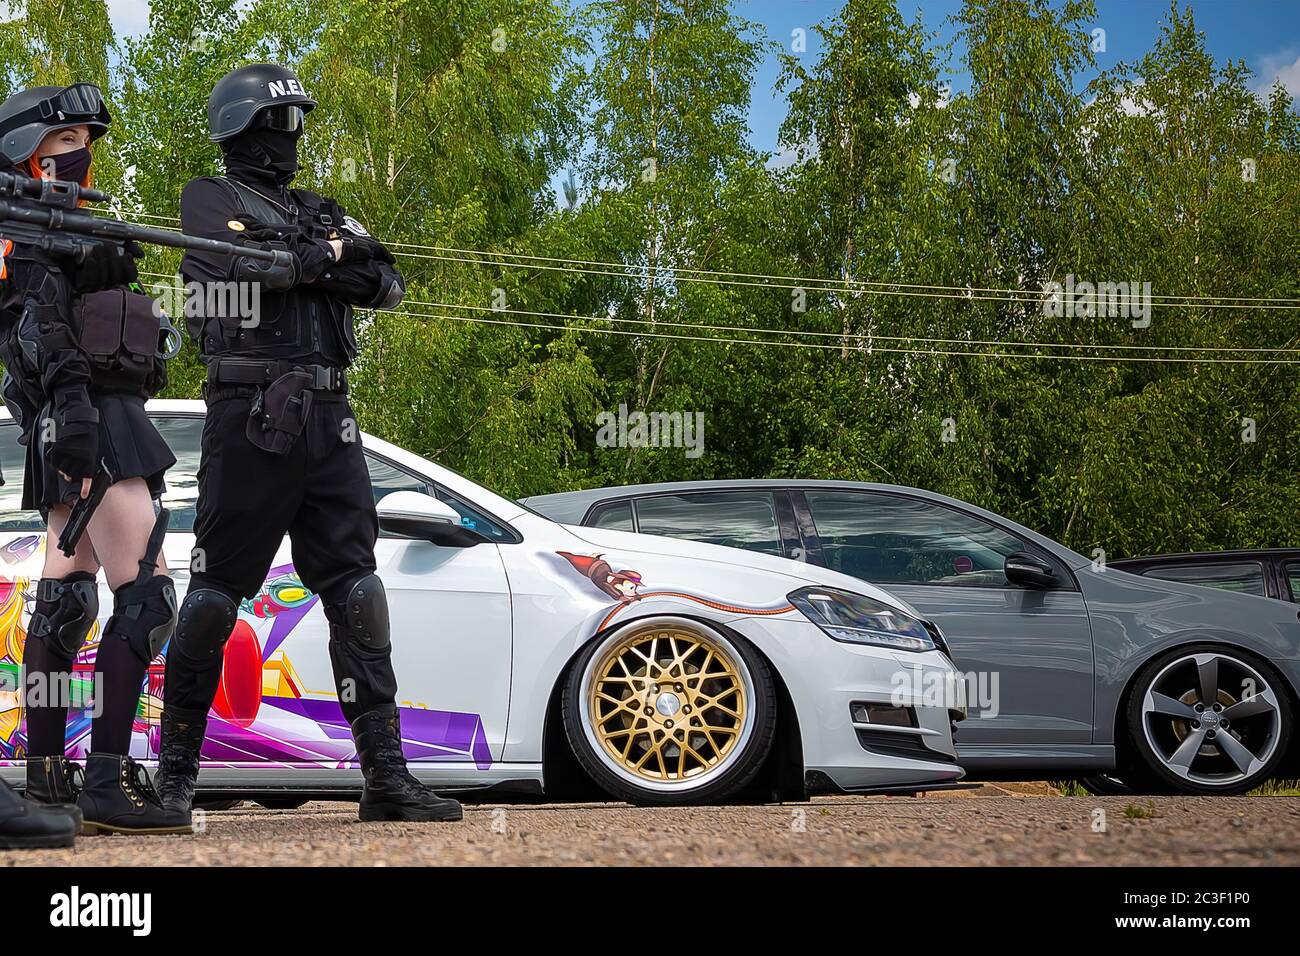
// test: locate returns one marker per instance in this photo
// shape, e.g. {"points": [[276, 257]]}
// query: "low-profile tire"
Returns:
{"points": [[1105, 785], [670, 711], [1208, 719]]}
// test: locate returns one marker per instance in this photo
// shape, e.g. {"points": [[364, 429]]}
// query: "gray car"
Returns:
{"points": [[1073, 668]]}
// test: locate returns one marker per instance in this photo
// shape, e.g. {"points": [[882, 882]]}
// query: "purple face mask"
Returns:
{"points": [[70, 167]]}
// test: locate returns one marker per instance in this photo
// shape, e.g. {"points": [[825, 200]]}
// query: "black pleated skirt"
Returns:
{"points": [[128, 442]]}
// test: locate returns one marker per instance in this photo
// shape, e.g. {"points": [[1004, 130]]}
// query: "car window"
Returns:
{"points": [[385, 478], [616, 517], [471, 517], [894, 539], [1243, 577], [736, 519], [184, 435], [1293, 581], [13, 457]]}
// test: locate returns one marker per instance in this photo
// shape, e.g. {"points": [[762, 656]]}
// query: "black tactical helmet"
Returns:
{"points": [[28, 117], [243, 93]]}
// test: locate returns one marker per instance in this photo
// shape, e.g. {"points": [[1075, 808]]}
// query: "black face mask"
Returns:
{"points": [[70, 167], [272, 149]]}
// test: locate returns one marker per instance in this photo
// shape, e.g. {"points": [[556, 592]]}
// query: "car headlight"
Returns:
{"points": [[857, 619]]}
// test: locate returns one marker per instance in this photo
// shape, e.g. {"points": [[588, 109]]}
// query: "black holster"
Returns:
{"points": [[279, 412]]}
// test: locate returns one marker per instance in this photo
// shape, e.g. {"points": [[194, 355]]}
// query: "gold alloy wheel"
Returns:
{"points": [[668, 704]]}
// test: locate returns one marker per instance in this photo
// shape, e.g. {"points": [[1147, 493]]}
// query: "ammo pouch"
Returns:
{"points": [[124, 335], [280, 411]]}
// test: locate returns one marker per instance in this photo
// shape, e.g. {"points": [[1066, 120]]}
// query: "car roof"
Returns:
{"points": [[1189, 557], [570, 507]]}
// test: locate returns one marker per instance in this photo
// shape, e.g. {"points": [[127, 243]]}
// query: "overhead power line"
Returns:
{"points": [[505, 260], [864, 341], [810, 283], [862, 338]]}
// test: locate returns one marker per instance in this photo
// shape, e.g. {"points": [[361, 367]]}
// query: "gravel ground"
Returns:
{"points": [[996, 825]]}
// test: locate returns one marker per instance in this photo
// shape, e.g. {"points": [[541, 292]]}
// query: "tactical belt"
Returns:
{"points": [[232, 371]]}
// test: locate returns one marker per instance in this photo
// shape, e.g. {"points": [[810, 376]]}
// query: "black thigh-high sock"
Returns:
{"points": [[47, 674], [119, 674]]}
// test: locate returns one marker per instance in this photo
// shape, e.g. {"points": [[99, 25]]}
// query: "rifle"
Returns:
{"points": [[71, 534], [47, 214]]}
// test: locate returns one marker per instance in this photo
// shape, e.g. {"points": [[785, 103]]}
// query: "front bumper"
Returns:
{"points": [[832, 686]]}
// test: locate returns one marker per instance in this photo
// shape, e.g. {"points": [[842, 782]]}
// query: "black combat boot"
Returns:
{"points": [[178, 758], [391, 793], [56, 782], [118, 798], [26, 824]]}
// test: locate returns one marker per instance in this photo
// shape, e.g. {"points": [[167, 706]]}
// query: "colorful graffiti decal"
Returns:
{"points": [[626, 586], [263, 714]]}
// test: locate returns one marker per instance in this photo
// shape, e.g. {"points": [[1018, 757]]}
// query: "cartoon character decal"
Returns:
{"points": [[263, 715], [625, 586], [621, 585]]}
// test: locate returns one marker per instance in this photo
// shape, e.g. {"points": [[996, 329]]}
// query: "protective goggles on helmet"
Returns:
{"points": [[79, 103], [283, 119]]}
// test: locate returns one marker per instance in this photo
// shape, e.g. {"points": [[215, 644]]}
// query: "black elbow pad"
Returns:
{"points": [[392, 291]]}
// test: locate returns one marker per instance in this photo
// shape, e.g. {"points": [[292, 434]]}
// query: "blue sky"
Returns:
{"points": [[1264, 33]]}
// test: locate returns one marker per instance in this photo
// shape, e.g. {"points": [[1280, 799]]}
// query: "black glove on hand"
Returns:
{"points": [[75, 449], [107, 265], [363, 249]]}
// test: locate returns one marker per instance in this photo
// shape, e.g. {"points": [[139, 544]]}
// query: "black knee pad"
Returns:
{"points": [[363, 618], [65, 612], [206, 619], [144, 615]]}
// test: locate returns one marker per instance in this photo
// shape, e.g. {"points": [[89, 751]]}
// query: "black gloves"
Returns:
{"points": [[294, 237], [278, 276], [257, 231], [363, 249], [107, 265], [75, 449]]}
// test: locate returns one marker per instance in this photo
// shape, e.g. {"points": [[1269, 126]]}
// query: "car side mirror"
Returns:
{"points": [[413, 515], [1029, 571]]}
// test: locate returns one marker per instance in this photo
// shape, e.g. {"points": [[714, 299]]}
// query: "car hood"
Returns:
{"points": [[798, 572]]}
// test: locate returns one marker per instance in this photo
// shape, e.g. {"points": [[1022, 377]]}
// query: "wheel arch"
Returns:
{"points": [[1119, 720]]}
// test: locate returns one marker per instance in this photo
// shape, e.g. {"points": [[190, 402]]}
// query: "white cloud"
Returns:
{"points": [[1282, 67], [130, 17], [788, 154]]}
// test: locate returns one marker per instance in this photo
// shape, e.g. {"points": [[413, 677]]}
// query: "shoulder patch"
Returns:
{"points": [[354, 227]]}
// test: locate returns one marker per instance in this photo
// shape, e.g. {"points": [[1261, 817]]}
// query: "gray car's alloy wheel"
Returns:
{"points": [[1209, 720], [670, 710]]}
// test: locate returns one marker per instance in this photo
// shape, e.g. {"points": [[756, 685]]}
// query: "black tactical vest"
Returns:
{"points": [[297, 324]]}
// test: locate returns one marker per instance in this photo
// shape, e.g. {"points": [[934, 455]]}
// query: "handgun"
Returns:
{"points": [[84, 509]]}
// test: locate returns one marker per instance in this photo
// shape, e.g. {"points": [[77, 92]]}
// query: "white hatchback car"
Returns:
{"points": [[527, 651]]}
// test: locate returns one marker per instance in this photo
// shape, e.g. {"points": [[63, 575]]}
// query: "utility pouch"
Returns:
{"points": [[280, 411], [121, 333]]}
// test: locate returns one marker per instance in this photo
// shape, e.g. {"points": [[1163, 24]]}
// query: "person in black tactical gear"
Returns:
{"points": [[81, 350], [26, 823], [281, 453]]}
